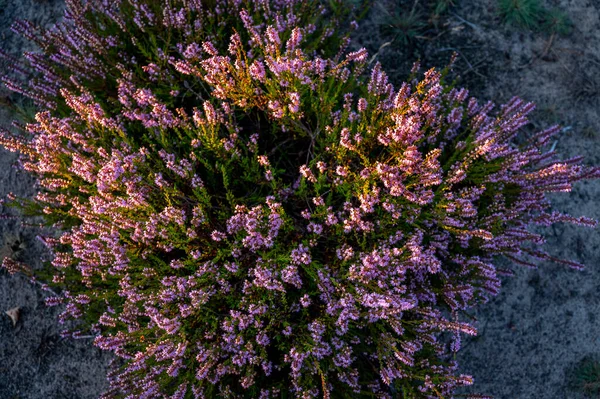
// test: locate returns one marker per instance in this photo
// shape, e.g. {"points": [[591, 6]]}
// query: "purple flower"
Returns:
{"points": [[217, 235]]}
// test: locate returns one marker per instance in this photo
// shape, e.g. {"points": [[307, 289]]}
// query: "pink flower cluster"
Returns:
{"points": [[231, 226]]}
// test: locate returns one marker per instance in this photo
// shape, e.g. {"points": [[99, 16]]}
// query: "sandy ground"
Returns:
{"points": [[35, 362], [544, 322]]}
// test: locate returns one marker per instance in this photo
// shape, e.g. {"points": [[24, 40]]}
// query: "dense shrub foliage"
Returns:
{"points": [[243, 209]]}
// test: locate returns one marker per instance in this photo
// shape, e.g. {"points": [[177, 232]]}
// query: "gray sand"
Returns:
{"points": [[35, 362]]}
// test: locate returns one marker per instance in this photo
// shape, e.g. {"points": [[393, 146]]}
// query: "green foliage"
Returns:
{"points": [[441, 6], [24, 110], [409, 21], [586, 376], [404, 26], [556, 21], [523, 13]]}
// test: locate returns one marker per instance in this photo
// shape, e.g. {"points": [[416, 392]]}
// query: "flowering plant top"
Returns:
{"points": [[244, 210]]}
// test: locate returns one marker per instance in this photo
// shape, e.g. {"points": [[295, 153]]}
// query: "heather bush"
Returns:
{"points": [[241, 207]]}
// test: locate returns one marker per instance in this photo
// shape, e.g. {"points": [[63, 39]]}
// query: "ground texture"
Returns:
{"points": [[35, 362]]}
